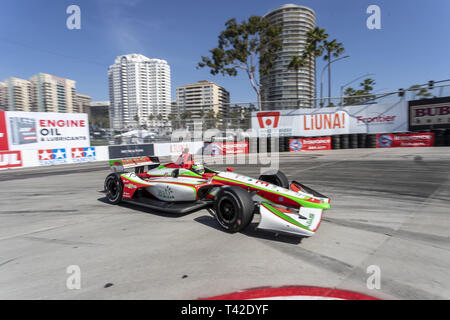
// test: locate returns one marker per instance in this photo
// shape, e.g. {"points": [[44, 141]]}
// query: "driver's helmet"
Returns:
{"points": [[198, 167]]}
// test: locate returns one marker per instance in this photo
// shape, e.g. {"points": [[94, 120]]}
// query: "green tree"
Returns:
{"points": [[333, 49], [251, 47], [420, 92], [136, 118], [295, 64], [172, 118], [210, 119], [186, 115], [361, 95], [151, 117], [219, 118]]}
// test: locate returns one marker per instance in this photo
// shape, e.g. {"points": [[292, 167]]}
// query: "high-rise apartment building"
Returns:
{"points": [[280, 83], [202, 97], [53, 94], [82, 103], [17, 94], [3, 96], [139, 89], [42, 93]]}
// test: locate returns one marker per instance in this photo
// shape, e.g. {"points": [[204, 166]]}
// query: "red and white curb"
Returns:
{"points": [[293, 293]]}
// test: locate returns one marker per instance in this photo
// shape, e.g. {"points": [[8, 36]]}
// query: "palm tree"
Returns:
{"points": [[210, 115], [171, 117], [295, 64], [333, 49], [420, 92], [187, 115], [314, 49]]}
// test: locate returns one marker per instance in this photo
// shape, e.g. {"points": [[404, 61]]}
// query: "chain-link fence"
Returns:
{"points": [[237, 116]]}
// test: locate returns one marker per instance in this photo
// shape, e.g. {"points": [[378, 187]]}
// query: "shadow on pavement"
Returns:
{"points": [[251, 231], [143, 209]]}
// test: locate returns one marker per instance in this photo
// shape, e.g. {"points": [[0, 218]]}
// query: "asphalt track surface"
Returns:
{"points": [[389, 208]]}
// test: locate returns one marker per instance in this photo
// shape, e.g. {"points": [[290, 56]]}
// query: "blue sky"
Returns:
{"points": [[412, 47]]}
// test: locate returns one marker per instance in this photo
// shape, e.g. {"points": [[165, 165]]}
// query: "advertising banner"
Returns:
{"points": [[45, 130], [307, 122], [315, 144], [176, 148], [429, 113], [224, 148], [129, 151], [10, 159], [405, 140], [3, 132]]}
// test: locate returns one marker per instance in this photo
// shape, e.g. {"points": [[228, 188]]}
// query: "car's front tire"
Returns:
{"points": [[113, 188], [275, 177], [233, 208]]}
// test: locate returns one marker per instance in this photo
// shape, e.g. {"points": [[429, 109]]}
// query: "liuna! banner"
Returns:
{"points": [[308, 122], [405, 140], [315, 144]]}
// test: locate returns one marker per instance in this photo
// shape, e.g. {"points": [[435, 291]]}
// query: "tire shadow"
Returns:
{"points": [[252, 231]]}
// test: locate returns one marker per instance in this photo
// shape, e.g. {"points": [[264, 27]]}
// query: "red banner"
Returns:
{"points": [[3, 133], [222, 148], [10, 159], [314, 144], [405, 140]]}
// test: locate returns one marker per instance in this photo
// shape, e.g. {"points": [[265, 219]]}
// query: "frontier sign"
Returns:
{"points": [[375, 118]]}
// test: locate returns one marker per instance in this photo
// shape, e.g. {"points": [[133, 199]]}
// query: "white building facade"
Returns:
{"points": [[139, 89], [281, 83]]}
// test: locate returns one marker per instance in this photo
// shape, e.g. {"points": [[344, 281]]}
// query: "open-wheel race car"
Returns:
{"points": [[184, 186]]}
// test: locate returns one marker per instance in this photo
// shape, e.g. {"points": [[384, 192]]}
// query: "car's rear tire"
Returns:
{"points": [[233, 208], [113, 188], [275, 177]]}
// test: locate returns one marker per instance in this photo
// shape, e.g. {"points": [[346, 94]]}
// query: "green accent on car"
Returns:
{"points": [[190, 174], [284, 216], [302, 202], [135, 181]]}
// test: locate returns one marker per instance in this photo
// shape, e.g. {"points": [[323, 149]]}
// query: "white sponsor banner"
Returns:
{"points": [[176, 148], [46, 130], [70, 155], [373, 118]]}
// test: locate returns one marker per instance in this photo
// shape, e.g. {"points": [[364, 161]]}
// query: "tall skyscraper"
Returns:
{"points": [[280, 84], [3, 96], [203, 96], [139, 89], [17, 94], [52, 93], [42, 93]]}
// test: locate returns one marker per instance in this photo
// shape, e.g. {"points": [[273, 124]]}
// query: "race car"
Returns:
{"points": [[185, 186]]}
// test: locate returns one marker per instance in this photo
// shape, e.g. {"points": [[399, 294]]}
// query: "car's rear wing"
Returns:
{"points": [[139, 164]]}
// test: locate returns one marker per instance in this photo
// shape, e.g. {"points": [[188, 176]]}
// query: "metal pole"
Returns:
{"points": [[321, 78]]}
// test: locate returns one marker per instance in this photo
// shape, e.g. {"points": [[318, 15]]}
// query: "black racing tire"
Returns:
{"points": [[233, 208], [114, 188], [275, 177]]}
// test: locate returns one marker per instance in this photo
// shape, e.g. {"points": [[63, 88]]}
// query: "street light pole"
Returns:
{"points": [[321, 77], [345, 85]]}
